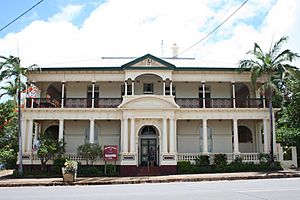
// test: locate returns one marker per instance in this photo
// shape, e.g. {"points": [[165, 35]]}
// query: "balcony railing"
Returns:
{"points": [[218, 103], [73, 102]]}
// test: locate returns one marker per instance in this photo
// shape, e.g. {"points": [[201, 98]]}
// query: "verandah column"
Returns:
{"points": [[61, 130], [233, 94], [132, 87], [164, 87], [92, 129], [62, 94], [205, 146], [235, 137], [125, 135], [203, 94], [172, 135], [266, 142], [132, 135], [125, 87], [164, 136], [29, 139], [93, 94], [171, 88]]}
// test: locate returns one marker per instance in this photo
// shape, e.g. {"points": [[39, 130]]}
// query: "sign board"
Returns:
{"points": [[110, 153]]}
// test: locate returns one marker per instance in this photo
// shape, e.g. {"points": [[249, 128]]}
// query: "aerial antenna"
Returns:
{"points": [[162, 48]]}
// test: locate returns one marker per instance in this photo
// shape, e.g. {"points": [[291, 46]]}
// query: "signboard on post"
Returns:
{"points": [[110, 153]]}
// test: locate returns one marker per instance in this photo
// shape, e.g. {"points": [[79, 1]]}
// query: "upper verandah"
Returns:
{"points": [[120, 66]]}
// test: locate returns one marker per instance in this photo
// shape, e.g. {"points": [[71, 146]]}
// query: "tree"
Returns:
{"points": [[90, 152], [271, 63], [288, 132], [8, 134], [11, 69], [11, 89], [48, 149]]}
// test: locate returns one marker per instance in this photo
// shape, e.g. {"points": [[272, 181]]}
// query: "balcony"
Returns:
{"points": [[219, 103], [73, 102]]}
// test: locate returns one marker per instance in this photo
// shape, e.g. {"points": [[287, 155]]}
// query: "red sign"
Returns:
{"points": [[111, 153]]}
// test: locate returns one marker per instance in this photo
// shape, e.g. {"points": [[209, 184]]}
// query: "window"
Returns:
{"points": [[87, 135], [129, 90], [209, 139], [244, 134], [148, 88], [173, 90]]}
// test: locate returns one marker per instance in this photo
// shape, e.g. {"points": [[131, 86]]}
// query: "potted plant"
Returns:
{"points": [[69, 170]]}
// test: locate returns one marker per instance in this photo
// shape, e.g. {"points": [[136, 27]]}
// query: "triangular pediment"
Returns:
{"points": [[148, 61]]}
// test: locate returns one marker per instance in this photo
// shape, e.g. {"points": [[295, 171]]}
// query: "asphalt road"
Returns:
{"points": [[271, 189]]}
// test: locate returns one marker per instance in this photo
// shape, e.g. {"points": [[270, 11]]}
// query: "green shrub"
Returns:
{"points": [[58, 163], [111, 170], [90, 152], [184, 167], [89, 171], [220, 160], [264, 157], [202, 160]]}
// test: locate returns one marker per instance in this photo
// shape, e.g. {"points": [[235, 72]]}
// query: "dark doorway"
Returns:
{"points": [[149, 148]]}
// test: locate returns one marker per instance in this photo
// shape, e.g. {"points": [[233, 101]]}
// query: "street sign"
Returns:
{"points": [[110, 153]]}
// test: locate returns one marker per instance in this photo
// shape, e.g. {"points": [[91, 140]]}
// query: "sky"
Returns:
{"points": [[72, 32]]}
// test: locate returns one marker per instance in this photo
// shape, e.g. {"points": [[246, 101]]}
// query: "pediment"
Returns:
{"points": [[148, 102], [148, 61]]}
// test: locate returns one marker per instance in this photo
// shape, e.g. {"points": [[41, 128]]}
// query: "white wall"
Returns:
{"points": [[221, 135], [76, 90], [189, 90], [188, 134], [109, 90], [220, 90]]}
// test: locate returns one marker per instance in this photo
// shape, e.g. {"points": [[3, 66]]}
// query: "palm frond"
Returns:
{"points": [[277, 46]]}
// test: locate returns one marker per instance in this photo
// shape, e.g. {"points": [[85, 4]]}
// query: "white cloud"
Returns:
{"points": [[136, 27], [67, 13]]}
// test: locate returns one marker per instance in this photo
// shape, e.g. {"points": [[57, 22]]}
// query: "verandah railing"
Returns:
{"points": [[73, 102], [219, 103]]}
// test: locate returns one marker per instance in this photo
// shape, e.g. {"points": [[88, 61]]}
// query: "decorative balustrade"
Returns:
{"points": [[107, 102], [72, 102], [247, 157], [249, 103], [218, 103]]}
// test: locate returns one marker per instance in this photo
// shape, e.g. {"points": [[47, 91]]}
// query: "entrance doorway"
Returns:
{"points": [[148, 146]]}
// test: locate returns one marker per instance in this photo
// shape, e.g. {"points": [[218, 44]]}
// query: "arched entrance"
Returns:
{"points": [[148, 154], [245, 139], [52, 132]]}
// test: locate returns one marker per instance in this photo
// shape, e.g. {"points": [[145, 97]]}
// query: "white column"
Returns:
{"points": [[24, 133], [92, 129], [125, 87], [172, 136], [164, 137], [132, 135], [61, 130], [233, 94], [235, 137], [164, 88], [203, 94], [274, 136], [36, 130], [29, 139], [62, 94], [125, 135], [93, 94], [264, 96], [132, 87], [171, 88], [205, 145], [266, 142], [259, 137]]}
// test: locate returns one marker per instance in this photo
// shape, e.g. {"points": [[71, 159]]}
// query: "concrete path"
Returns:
{"points": [[7, 181]]}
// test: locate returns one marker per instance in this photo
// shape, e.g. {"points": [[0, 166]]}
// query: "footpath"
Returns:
{"points": [[6, 180]]}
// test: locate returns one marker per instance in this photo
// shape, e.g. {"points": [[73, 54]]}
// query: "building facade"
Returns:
{"points": [[155, 110]]}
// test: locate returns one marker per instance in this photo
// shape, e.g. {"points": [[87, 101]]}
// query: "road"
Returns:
{"points": [[271, 189]]}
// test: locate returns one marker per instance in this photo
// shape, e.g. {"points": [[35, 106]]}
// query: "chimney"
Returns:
{"points": [[175, 50]]}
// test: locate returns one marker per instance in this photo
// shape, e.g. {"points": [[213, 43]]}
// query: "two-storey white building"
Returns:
{"points": [[167, 106]]}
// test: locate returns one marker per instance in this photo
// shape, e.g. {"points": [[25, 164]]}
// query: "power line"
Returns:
{"points": [[212, 31], [24, 13]]}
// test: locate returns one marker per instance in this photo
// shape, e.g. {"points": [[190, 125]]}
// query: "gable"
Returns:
{"points": [[148, 61]]}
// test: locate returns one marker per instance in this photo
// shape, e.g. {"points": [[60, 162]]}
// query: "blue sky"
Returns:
{"points": [[11, 9], [90, 29]]}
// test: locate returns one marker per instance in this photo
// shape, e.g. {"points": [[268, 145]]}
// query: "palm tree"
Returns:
{"points": [[11, 69], [11, 89], [271, 63]]}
